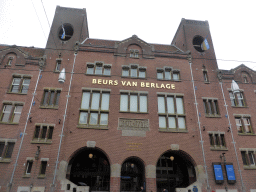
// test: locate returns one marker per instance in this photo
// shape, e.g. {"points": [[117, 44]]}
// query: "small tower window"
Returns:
{"points": [[9, 62], [206, 79], [58, 64]]}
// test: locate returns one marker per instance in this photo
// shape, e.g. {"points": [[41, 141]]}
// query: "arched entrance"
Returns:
{"points": [[174, 170], [132, 175], [90, 167]]}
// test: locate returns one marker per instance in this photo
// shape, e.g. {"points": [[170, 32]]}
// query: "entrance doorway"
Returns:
{"points": [[132, 175], [90, 167], [174, 170]]}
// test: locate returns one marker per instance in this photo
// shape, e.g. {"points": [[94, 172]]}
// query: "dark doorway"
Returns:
{"points": [[174, 170], [90, 167], [132, 175]]}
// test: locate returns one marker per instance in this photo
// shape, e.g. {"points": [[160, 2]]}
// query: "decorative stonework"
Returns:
{"points": [[175, 147], [91, 144], [133, 124]]}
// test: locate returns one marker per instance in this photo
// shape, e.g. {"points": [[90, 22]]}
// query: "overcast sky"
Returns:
{"points": [[232, 23]]}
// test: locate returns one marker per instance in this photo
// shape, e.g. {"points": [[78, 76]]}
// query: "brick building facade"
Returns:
{"points": [[102, 115]]}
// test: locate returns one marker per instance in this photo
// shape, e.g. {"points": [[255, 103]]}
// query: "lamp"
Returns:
{"points": [[37, 152], [171, 158], [30, 119], [90, 155]]}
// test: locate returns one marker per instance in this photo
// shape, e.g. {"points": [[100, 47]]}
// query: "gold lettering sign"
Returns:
{"points": [[133, 146], [134, 84]]}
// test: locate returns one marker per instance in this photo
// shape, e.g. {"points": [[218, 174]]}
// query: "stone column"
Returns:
{"points": [[151, 178], [115, 177]]}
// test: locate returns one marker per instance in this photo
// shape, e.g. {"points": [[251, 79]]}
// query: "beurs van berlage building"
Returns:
{"points": [[102, 115]]}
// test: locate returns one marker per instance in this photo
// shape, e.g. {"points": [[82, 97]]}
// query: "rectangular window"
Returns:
{"points": [[168, 73], [243, 125], [51, 98], [43, 133], [133, 102], [205, 76], [10, 59], [20, 85], [217, 141], [134, 71], [11, 113], [248, 157], [237, 99], [134, 53], [6, 149], [43, 168], [94, 108], [171, 112], [29, 167], [211, 108], [58, 64], [98, 68]]}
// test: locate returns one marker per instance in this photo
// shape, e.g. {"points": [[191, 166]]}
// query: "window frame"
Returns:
{"points": [[5, 143], [47, 98], [205, 76], [167, 70], [248, 156], [220, 143], [167, 114], [38, 136], [236, 100], [93, 69], [44, 164], [139, 95], [211, 107], [128, 70], [134, 53], [21, 84], [58, 65], [11, 116], [90, 109], [241, 126]]}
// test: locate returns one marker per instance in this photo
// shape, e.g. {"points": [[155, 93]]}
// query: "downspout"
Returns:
{"points": [[24, 132], [63, 124], [233, 140], [198, 122]]}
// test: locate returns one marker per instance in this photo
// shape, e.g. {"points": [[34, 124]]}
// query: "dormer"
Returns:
{"points": [[134, 47]]}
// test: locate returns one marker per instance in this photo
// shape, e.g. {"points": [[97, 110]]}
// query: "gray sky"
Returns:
{"points": [[231, 23]]}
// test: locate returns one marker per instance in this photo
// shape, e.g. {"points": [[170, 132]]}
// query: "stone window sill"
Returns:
{"points": [[41, 176], [249, 167], [213, 116], [7, 123], [16, 93], [49, 107], [26, 176], [219, 148], [172, 130], [43, 141], [5, 160], [92, 126], [246, 134]]}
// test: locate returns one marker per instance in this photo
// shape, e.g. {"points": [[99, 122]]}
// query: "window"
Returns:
{"points": [[134, 102], [51, 98], [134, 53], [43, 168], [9, 62], [6, 149], [217, 141], [58, 64], [206, 79], [43, 133], [171, 112], [29, 167], [98, 68], [11, 112], [134, 71], [94, 108], [211, 108], [237, 99], [243, 125], [20, 85], [248, 157], [167, 73]]}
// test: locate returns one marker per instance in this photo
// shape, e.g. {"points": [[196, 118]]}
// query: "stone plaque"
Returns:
{"points": [[133, 124], [91, 144], [175, 147]]}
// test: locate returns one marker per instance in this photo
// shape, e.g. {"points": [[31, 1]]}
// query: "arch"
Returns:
{"points": [[175, 169], [89, 167], [132, 174], [10, 59], [245, 77]]}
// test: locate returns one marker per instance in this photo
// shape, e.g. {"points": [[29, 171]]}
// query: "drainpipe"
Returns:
{"points": [[24, 132], [63, 124], [233, 140], [199, 123]]}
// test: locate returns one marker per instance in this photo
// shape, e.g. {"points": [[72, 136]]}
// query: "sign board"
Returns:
{"points": [[218, 173], [230, 173]]}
